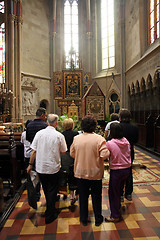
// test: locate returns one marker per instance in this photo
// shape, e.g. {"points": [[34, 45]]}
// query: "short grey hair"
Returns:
{"points": [[52, 118]]}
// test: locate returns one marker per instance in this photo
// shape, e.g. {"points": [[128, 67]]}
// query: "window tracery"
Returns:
{"points": [[107, 34], [154, 20]]}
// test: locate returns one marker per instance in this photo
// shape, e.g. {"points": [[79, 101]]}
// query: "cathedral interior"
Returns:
{"points": [[79, 57]]}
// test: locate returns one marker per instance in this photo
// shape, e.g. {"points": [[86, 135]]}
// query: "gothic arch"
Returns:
{"points": [[137, 87], [149, 82], [143, 85], [129, 90], [132, 88], [113, 102], [156, 78], [44, 103]]}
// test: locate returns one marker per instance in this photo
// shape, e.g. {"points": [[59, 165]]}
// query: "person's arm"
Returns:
{"points": [[107, 130], [31, 162], [72, 150], [63, 152], [63, 145], [103, 150], [106, 134]]}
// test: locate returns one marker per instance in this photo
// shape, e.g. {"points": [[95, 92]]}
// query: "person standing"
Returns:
{"points": [[119, 164], [37, 124], [114, 118], [47, 146], [27, 148], [67, 161], [131, 133], [32, 128], [89, 150]]}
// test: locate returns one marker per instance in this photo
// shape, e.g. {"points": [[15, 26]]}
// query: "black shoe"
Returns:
{"points": [[73, 201], [51, 219], [85, 223], [111, 219], [128, 197], [97, 224], [64, 197]]}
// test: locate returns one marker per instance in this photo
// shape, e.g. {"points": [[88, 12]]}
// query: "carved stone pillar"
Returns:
{"points": [[11, 83], [54, 32], [19, 42], [53, 107], [89, 34], [15, 93], [123, 59]]}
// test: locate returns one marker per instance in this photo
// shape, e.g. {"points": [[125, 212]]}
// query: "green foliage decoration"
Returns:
{"points": [[77, 124]]}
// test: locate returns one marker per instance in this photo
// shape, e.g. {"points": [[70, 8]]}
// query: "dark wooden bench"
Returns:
{"points": [[9, 166], [19, 151]]}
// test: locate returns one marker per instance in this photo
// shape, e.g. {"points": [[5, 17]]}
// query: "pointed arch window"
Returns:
{"points": [[154, 20], [71, 34], [107, 34], [2, 43]]}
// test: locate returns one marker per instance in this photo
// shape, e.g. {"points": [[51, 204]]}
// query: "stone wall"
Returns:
{"points": [[35, 56]]}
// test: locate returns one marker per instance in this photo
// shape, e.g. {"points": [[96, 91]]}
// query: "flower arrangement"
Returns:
{"points": [[77, 124]]}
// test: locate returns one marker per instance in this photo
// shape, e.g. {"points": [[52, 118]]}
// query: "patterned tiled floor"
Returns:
{"points": [[141, 216]]}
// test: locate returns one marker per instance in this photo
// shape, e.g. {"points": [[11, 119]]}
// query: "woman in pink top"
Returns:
{"points": [[89, 151], [119, 163]]}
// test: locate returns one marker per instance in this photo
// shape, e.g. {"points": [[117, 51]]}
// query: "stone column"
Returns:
{"points": [[15, 92], [19, 42], [89, 34], [53, 54], [11, 84], [123, 58], [54, 32]]}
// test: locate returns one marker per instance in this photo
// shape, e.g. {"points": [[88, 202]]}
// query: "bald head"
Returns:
{"points": [[52, 119]]}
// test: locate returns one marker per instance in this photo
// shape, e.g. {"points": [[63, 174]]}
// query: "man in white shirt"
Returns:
{"points": [[47, 146], [114, 118]]}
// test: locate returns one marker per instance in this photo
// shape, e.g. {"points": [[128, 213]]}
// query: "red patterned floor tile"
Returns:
{"points": [[32, 237], [51, 228], [69, 236], [16, 227], [74, 228], [143, 232]]}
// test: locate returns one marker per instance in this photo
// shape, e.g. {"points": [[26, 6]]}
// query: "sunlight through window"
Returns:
{"points": [[107, 30], [154, 20], [71, 44]]}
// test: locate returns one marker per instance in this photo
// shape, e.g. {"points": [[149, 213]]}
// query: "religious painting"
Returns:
{"points": [[95, 106], [94, 102], [86, 78], [86, 82], [72, 85], [58, 85]]}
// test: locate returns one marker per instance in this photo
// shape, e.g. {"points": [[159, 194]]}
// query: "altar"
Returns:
{"points": [[69, 88], [77, 95]]}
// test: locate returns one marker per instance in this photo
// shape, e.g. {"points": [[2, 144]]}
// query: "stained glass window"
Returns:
{"points": [[2, 46], [107, 34], [71, 44], [154, 20]]}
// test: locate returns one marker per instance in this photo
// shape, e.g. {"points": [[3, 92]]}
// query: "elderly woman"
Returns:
{"points": [[89, 150], [67, 161]]}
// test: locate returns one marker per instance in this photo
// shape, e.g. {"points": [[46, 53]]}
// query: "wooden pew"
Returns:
{"points": [[9, 167], [19, 151]]}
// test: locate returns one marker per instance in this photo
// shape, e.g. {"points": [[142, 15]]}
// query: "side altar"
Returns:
{"points": [[69, 88], [76, 94]]}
